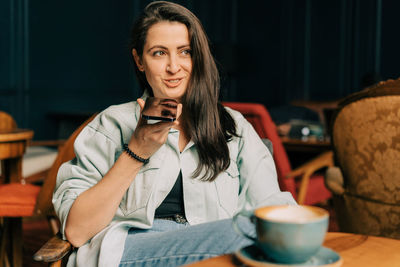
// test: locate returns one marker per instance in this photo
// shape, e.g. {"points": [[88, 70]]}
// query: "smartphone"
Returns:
{"points": [[160, 109]]}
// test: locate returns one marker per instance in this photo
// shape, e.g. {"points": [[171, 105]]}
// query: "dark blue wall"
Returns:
{"points": [[71, 57]]}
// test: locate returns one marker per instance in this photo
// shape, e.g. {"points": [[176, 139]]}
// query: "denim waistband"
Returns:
{"points": [[179, 218]]}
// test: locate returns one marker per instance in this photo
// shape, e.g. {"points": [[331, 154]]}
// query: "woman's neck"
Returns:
{"points": [[184, 137]]}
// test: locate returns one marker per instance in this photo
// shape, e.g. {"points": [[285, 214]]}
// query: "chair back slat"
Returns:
{"points": [[7, 122]]}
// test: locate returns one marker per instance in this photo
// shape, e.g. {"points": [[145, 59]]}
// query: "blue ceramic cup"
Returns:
{"points": [[288, 234]]}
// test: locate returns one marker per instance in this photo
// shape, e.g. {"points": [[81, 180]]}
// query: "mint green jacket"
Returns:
{"points": [[249, 182]]}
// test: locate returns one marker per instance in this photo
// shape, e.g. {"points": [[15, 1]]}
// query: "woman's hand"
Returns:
{"points": [[148, 138]]}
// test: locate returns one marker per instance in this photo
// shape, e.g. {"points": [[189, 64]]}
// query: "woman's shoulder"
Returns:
{"points": [[117, 118], [118, 110], [234, 113], [239, 119]]}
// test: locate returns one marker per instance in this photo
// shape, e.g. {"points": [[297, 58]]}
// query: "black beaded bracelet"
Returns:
{"points": [[133, 155]]}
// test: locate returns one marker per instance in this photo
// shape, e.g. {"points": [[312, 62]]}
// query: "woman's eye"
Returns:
{"points": [[158, 53], [186, 52]]}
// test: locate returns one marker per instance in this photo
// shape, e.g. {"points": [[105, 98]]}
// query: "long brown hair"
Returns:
{"points": [[209, 125]]}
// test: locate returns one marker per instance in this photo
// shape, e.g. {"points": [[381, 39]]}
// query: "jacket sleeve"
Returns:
{"points": [[96, 150]]}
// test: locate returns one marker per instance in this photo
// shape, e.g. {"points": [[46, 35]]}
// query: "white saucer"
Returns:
{"points": [[325, 257]]}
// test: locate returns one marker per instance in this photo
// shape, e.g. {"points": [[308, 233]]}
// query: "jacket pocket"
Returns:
{"points": [[138, 193], [227, 186]]}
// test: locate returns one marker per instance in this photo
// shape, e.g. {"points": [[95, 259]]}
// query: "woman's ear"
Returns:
{"points": [[137, 59]]}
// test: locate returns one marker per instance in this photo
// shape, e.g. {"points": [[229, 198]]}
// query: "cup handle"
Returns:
{"points": [[237, 228]]}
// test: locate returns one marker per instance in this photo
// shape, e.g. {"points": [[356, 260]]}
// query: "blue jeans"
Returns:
{"points": [[168, 243]]}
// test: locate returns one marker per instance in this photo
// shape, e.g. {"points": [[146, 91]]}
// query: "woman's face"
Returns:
{"points": [[166, 59]]}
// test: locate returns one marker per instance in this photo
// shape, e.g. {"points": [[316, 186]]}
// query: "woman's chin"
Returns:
{"points": [[173, 95]]}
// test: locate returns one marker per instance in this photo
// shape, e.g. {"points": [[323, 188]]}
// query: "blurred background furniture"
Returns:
{"points": [[306, 186], [366, 143], [37, 160], [38, 156], [304, 129], [16, 198], [305, 146], [41, 154], [320, 107]]}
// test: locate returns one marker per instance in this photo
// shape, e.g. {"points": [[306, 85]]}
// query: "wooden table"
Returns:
{"points": [[12, 148], [355, 250], [308, 145], [301, 151]]}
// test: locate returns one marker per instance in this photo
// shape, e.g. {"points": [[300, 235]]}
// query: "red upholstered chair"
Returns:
{"points": [[16, 200], [305, 186]]}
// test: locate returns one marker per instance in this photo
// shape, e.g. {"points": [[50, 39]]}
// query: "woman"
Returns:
{"points": [[163, 194]]}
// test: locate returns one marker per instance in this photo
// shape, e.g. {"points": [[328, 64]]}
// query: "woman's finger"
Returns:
{"points": [[160, 126], [141, 121], [179, 110], [141, 103]]}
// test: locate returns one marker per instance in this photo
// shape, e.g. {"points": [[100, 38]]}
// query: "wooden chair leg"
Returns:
{"points": [[53, 222], [15, 227], [4, 232], [6, 261]]}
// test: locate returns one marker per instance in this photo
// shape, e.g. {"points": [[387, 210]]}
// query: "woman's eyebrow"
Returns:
{"points": [[156, 46], [184, 46], [163, 47]]}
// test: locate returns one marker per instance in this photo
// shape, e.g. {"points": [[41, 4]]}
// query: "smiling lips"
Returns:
{"points": [[172, 83]]}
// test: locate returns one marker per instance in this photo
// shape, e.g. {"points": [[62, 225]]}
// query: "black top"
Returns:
{"points": [[173, 203]]}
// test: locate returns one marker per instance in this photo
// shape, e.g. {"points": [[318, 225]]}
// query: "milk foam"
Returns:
{"points": [[295, 214]]}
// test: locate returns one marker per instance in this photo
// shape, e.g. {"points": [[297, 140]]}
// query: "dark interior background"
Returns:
{"points": [[62, 60]]}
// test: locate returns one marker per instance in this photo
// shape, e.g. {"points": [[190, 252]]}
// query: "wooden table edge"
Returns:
{"points": [[16, 135]]}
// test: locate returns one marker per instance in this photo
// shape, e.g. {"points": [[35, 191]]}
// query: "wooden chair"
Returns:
{"points": [[26, 200], [13, 192], [56, 248], [38, 157], [366, 180], [306, 186], [16, 198], [7, 123]]}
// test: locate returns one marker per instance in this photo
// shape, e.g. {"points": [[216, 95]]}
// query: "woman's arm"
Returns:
{"points": [[94, 209]]}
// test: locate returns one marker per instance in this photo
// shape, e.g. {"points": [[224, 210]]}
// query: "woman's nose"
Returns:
{"points": [[173, 65]]}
